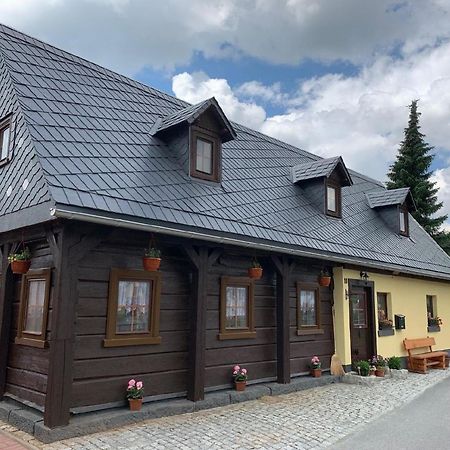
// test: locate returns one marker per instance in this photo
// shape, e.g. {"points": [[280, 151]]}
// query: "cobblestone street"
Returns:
{"points": [[314, 418]]}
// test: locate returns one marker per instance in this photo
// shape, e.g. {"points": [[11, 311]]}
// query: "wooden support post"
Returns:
{"points": [[201, 259], [68, 249], [283, 269], [6, 300]]}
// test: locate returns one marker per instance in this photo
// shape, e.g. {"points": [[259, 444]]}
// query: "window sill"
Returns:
{"points": [[305, 332], [386, 332], [31, 342], [123, 342], [433, 328], [237, 335]]}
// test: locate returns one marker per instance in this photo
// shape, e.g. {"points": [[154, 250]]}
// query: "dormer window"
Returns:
{"points": [[205, 155], [333, 200], [4, 140], [403, 221]]}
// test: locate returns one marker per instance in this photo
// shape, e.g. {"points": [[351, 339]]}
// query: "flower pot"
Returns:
{"points": [[324, 281], [151, 264], [316, 373], [379, 372], [20, 266], [255, 272], [372, 373], [135, 404], [240, 385]]}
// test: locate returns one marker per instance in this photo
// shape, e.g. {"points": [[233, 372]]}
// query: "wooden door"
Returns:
{"points": [[360, 325]]}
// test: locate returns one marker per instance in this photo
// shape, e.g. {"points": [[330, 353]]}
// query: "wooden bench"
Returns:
{"points": [[419, 362]]}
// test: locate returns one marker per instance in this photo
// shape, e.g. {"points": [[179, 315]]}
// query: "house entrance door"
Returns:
{"points": [[361, 332]]}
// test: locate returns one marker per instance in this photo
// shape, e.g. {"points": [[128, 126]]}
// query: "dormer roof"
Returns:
{"points": [[321, 168], [391, 197], [191, 113]]}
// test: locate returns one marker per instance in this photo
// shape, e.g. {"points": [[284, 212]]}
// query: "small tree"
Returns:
{"points": [[412, 169]]}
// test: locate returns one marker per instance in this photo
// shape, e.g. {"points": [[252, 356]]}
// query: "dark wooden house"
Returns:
{"points": [[95, 166]]}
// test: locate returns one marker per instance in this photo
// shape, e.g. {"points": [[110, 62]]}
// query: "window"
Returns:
{"points": [[308, 309], [34, 299], [236, 309], [403, 222], [333, 199], [133, 308], [430, 307], [205, 155], [383, 312], [5, 129]]}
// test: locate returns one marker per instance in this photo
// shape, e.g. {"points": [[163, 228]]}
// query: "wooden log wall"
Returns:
{"points": [[27, 367]]}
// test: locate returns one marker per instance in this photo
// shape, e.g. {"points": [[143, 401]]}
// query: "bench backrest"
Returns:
{"points": [[411, 344]]}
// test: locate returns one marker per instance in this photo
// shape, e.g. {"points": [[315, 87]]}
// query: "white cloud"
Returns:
{"points": [[198, 86], [132, 34]]}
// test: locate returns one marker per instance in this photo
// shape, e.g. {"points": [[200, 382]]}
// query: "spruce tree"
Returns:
{"points": [[412, 169]]}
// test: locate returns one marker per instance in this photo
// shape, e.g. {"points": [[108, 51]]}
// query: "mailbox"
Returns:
{"points": [[400, 322]]}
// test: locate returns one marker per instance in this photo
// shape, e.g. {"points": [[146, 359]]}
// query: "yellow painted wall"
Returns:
{"points": [[408, 297]]}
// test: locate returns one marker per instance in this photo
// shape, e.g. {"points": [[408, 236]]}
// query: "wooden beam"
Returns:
{"points": [[201, 259], [284, 270], [6, 301], [71, 248]]}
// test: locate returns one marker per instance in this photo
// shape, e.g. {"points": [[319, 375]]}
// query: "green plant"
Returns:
{"points": [[24, 255], [385, 324], [434, 321], [256, 264], [153, 252], [362, 367], [315, 363], [394, 362], [325, 272], [378, 361]]}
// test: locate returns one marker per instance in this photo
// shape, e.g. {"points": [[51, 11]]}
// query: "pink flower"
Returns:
{"points": [[236, 368], [139, 384], [132, 383], [235, 372], [244, 371]]}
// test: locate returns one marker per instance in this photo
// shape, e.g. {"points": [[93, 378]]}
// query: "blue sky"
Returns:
{"points": [[334, 78]]}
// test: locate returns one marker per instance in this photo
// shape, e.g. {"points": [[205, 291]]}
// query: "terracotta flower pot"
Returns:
{"points": [[379, 373], [240, 385], [135, 404], [255, 272], [324, 281], [316, 373], [20, 266], [372, 373], [151, 264]]}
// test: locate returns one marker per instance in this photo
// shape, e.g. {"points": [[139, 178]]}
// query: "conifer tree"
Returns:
{"points": [[412, 169]]}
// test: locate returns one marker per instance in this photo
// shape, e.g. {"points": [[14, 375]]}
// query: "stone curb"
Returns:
{"points": [[31, 422]]}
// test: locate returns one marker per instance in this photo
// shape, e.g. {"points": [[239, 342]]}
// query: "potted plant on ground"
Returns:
{"points": [[362, 367], [394, 363], [380, 363], [255, 271], [135, 393], [372, 371], [152, 259], [20, 261], [316, 367], [324, 277], [240, 378]]}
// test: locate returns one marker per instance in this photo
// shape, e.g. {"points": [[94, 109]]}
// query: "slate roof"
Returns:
{"points": [[317, 169], [389, 197], [90, 149], [190, 114]]}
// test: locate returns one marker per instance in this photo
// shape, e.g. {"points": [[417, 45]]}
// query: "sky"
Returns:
{"points": [[334, 77]]}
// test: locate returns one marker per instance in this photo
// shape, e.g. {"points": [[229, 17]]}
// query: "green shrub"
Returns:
{"points": [[394, 362], [362, 367]]}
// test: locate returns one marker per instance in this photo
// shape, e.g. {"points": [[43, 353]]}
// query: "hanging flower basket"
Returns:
{"points": [[324, 278], [152, 259], [255, 271], [20, 261]]}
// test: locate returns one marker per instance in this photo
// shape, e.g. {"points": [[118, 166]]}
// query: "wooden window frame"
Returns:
{"points": [[242, 333], [195, 133], [338, 189], [5, 123], [403, 210], [308, 329], [113, 339], [31, 339]]}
